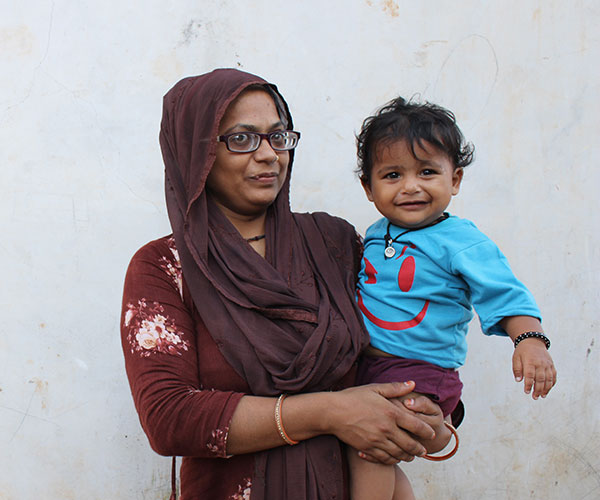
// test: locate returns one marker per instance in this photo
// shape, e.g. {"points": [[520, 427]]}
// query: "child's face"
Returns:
{"points": [[412, 192]]}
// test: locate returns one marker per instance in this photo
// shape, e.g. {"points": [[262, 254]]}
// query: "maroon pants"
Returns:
{"points": [[442, 385]]}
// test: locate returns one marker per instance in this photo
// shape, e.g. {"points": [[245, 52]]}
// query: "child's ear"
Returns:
{"points": [[457, 177], [367, 187]]}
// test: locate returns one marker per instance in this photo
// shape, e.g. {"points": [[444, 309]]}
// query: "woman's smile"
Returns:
{"points": [[266, 178]]}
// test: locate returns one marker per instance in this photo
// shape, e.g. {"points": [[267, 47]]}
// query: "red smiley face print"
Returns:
{"points": [[406, 277]]}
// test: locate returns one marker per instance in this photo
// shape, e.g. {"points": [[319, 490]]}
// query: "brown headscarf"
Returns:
{"points": [[286, 322]]}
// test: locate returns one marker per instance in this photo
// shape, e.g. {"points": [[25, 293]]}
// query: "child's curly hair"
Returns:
{"points": [[416, 123]]}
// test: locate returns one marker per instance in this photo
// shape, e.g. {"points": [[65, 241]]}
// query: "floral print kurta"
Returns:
{"points": [[184, 390]]}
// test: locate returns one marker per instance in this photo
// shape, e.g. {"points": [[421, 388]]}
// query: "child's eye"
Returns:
{"points": [[392, 175], [428, 171]]}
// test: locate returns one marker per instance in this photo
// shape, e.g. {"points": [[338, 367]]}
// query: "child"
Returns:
{"points": [[424, 269]]}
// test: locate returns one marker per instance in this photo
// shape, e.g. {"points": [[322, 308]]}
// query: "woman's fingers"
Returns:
{"points": [[393, 389], [393, 449], [388, 443], [421, 428], [379, 457], [430, 413], [427, 409], [408, 424], [406, 420], [368, 421]]}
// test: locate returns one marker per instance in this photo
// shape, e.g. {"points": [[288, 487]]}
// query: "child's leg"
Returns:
{"points": [[369, 481], [402, 488]]}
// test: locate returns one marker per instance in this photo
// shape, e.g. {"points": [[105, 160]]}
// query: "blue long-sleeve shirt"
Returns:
{"points": [[418, 304]]}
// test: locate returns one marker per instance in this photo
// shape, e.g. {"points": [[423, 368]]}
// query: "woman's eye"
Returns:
{"points": [[278, 139], [240, 138]]}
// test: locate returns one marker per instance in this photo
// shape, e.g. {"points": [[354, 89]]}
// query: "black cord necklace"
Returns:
{"points": [[390, 251], [255, 238]]}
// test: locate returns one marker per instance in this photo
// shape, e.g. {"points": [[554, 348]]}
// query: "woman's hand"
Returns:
{"points": [[384, 432], [431, 414], [370, 418]]}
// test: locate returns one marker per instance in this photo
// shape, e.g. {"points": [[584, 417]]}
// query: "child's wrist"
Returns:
{"points": [[532, 335]]}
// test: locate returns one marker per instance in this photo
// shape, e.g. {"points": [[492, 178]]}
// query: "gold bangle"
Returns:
{"points": [[279, 423], [439, 458]]}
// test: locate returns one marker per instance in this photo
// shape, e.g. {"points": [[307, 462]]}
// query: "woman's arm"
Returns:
{"points": [[162, 359], [181, 417], [362, 417]]}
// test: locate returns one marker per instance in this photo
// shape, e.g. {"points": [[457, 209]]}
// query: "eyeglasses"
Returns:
{"points": [[246, 142]]}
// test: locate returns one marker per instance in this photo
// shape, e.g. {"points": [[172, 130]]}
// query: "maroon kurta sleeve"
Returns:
{"points": [[163, 359]]}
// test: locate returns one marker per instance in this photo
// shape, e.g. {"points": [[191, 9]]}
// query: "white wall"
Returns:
{"points": [[80, 103]]}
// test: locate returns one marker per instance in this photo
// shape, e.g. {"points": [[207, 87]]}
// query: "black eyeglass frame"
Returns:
{"points": [[225, 139]]}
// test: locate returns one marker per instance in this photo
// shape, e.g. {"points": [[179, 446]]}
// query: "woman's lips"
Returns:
{"points": [[266, 178]]}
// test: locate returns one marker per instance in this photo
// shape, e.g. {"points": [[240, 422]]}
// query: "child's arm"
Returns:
{"points": [[531, 360]]}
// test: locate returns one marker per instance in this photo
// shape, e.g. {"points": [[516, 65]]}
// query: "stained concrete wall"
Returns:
{"points": [[80, 102]]}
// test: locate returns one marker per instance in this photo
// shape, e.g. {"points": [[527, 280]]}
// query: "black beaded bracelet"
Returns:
{"points": [[536, 335]]}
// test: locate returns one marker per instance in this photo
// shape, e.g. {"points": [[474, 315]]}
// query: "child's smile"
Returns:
{"points": [[410, 191]]}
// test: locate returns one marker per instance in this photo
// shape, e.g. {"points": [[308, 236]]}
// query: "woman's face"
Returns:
{"points": [[245, 184]]}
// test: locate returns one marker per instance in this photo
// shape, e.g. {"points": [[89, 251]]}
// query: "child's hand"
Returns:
{"points": [[532, 362]]}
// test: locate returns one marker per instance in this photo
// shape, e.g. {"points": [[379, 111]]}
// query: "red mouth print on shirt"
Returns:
{"points": [[406, 276]]}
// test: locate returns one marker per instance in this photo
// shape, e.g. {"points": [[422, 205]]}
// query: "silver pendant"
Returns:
{"points": [[389, 252]]}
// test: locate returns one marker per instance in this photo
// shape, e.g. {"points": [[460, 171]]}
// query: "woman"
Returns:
{"points": [[247, 302]]}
